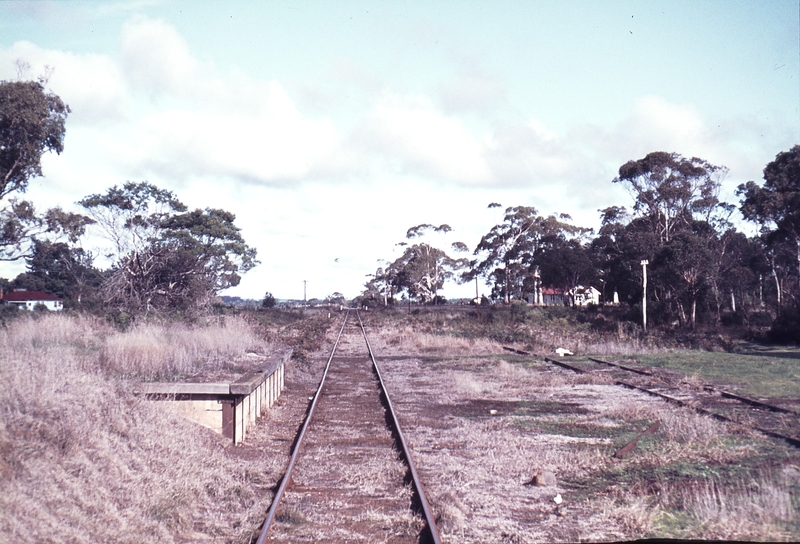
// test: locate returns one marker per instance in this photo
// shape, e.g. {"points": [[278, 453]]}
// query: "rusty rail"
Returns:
{"points": [[432, 534], [789, 439], [623, 367], [429, 518], [295, 453], [721, 392]]}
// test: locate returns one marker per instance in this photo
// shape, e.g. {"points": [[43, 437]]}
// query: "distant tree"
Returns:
{"points": [[680, 226], [335, 298], [268, 301], [775, 206], [670, 191], [61, 270], [422, 269], [508, 253], [166, 258], [683, 264], [566, 263]]}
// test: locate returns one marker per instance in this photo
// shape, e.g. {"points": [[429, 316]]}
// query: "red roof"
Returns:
{"points": [[25, 296], [552, 291]]}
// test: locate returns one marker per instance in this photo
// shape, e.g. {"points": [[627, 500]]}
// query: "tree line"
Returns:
{"points": [[699, 265], [165, 258]]}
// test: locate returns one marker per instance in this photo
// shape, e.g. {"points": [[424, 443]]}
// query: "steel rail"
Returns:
{"points": [[791, 440], [623, 367], [721, 392], [295, 453], [415, 479]]}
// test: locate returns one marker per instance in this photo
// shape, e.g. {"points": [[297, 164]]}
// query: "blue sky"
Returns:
{"points": [[330, 128]]}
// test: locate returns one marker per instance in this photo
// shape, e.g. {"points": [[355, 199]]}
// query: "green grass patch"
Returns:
{"points": [[621, 433], [757, 372]]}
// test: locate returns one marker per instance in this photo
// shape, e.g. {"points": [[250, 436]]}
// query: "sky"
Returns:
{"points": [[330, 128]]}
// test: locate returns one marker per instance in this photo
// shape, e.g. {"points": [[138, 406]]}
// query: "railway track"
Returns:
{"points": [[350, 476], [769, 419]]}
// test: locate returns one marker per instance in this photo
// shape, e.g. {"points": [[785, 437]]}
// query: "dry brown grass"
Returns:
{"points": [[82, 460], [475, 465], [153, 350], [388, 340], [735, 510]]}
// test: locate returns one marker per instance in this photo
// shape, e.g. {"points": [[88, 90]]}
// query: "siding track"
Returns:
{"points": [[350, 477], [774, 421]]}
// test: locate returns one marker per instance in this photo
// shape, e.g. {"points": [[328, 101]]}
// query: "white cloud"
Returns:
{"points": [[92, 85], [154, 111], [156, 59], [659, 125], [472, 91], [412, 136], [273, 144], [525, 154]]}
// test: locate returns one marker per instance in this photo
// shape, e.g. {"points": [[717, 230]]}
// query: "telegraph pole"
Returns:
{"points": [[644, 295]]}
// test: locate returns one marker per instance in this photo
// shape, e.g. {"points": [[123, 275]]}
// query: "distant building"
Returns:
{"points": [[584, 296], [28, 300], [553, 296]]}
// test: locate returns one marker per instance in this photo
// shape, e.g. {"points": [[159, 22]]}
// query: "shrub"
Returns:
{"points": [[786, 328]]}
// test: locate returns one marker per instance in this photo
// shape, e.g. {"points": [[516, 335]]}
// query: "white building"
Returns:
{"points": [[583, 296], [28, 300]]}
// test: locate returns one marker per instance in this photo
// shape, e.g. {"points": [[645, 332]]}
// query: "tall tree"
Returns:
{"points": [[32, 123], [507, 254], [61, 270], [678, 224], [682, 265], [671, 191], [166, 258], [776, 207], [422, 269]]}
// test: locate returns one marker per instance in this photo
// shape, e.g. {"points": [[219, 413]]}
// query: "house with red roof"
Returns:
{"points": [[577, 296], [28, 300]]}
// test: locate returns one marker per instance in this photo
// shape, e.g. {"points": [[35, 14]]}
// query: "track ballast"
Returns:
{"points": [[350, 476]]}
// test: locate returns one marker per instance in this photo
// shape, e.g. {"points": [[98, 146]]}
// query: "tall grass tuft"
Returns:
{"points": [[155, 351]]}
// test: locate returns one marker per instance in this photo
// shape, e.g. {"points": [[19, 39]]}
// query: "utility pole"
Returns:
{"points": [[644, 295]]}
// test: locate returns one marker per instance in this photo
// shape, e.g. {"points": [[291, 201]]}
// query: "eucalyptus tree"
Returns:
{"points": [[775, 206], [166, 258], [62, 270], [670, 191], [678, 223], [423, 268], [32, 123], [510, 252]]}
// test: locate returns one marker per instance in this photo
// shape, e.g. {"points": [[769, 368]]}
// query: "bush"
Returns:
{"points": [[786, 328]]}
